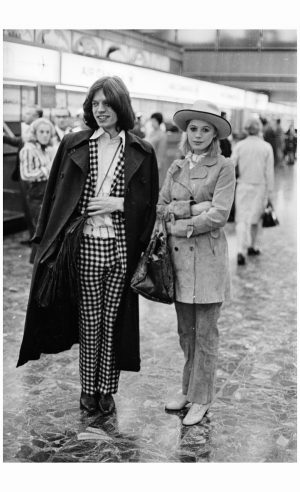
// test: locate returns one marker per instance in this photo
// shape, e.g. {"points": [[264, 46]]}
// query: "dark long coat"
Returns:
{"points": [[52, 330]]}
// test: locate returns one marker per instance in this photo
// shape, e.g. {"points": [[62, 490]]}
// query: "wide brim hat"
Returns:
{"points": [[206, 111]]}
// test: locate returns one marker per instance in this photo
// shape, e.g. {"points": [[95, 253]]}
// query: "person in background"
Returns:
{"points": [[290, 145], [30, 113], [269, 136], [195, 202], [107, 177], [158, 139], [225, 144], [138, 129], [280, 140], [36, 157], [255, 160], [79, 123], [61, 118]]}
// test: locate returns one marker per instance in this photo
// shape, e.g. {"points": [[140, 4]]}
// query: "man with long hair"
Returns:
{"points": [[110, 176]]}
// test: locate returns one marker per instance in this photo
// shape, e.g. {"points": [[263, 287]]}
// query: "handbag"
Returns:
{"points": [[154, 278], [269, 218], [59, 273]]}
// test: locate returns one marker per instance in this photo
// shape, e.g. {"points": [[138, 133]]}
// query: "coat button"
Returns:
{"points": [[62, 175], [176, 249], [191, 248]]}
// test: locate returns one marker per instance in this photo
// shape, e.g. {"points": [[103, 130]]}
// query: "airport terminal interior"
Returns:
{"points": [[247, 73]]}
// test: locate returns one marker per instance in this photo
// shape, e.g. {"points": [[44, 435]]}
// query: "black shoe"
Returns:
{"points": [[241, 260], [88, 402], [106, 403], [253, 251]]}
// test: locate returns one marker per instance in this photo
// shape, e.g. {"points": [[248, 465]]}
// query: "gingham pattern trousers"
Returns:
{"points": [[101, 284]]}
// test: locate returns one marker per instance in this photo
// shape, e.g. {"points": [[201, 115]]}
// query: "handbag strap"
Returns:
{"points": [[109, 168]]}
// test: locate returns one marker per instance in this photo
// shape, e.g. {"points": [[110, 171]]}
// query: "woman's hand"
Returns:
{"points": [[105, 205], [198, 208]]}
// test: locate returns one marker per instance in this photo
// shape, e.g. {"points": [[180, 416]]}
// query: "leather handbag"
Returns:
{"points": [[154, 278], [269, 218], [59, 273]]}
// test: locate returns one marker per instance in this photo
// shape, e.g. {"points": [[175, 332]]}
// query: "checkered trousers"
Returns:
{"points": [[101, 265], [101, 284]]}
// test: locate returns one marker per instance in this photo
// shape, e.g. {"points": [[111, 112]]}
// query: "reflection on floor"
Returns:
{"points": [[253, 418]]}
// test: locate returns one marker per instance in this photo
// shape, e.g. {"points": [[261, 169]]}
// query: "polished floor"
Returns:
{"points": [[253, 418]]}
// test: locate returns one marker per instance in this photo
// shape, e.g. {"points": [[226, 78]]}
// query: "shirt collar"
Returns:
{"points": [[99, 132]]}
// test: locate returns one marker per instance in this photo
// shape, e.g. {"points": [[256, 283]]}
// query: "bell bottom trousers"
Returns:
{"points": [[199, 339], [101, 287]]}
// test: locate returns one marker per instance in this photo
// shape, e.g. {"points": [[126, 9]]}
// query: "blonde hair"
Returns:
{"points": [[31, 136], [212, 150]]}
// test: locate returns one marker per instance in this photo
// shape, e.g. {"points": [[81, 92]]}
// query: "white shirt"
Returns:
{"points": [[108, 156]]}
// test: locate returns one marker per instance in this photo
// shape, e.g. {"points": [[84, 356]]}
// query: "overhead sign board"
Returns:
{"points": [[22, 62], [147, 83]]}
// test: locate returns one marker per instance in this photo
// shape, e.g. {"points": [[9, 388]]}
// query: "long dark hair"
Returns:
{"points": [[117, 96]]}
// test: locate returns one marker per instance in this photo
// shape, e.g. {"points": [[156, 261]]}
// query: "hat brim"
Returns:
{"points": [[183, 116]]}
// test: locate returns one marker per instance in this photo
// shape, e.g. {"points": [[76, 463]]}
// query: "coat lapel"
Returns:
{"points": [[133, 156], [79, 151], [182, 176]]}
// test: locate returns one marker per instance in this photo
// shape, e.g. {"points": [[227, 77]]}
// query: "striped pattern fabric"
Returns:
{"points": [[35, 163]]}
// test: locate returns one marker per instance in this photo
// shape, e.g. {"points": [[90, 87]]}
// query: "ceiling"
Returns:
{"points": [[251, 59]]}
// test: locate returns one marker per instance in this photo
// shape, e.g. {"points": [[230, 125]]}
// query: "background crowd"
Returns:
{"points": [[41, 136]]}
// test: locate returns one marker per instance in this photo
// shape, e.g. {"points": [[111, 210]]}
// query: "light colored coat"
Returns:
{"points": [[255, 160], [197, 243]]}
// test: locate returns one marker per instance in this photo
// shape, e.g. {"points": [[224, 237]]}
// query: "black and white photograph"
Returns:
{"points": [[149, 285]]}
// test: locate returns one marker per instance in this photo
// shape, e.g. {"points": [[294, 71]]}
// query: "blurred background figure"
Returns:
{"points": [[290, 145], [78, 123], [138, 126], [255, 160], [36, 158], [61, 119], [158, 138], [269, 136], [225, 144], [280, 141], [29, 115]]}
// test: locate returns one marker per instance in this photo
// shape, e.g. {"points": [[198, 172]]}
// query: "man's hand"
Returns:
{"points": [[105, 205]]}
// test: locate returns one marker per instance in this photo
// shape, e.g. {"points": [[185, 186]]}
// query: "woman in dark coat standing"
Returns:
{"points": [[110, 175]]}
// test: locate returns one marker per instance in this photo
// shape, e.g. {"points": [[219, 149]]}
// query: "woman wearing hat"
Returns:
{"points": [[195, 202]]}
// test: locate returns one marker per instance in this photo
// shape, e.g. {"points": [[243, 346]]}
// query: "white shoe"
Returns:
{"points": [[178, 403], [195, 414]]}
